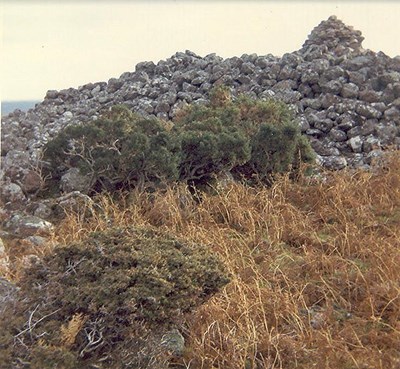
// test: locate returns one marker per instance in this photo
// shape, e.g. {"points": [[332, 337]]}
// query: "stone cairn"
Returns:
{"points": [[346, 100]]}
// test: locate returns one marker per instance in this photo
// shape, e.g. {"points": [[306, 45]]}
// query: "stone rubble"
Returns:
{"points": [[345, 98]]}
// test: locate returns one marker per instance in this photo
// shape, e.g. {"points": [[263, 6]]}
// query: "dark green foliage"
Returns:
{"points": [[210, 147], [211, 140], [50, 357], [119, 150], [275, 149], [248, 138], [252, 139], [120, 281]]}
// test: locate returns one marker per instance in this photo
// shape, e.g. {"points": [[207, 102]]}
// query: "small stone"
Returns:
{"points": [[43, 211], [74, 180], [356, 144], [51, 94], [146, 107], [68, 115], [333, 73], [173, 342], [96, 90], [371, 143], [188, 87], [332, 87], [303, 123], [261, 62], [369, 96], [324, 125], [163, 116], [323, 149], [338, 135], [287, 72], [197, 81], [247, 68], [386, 132], [380, 106], [346, 123], [349, 90], [373, 156], [356, 131], [12, 195], [389, 78], [314, 132], [114, 85], [328, 100], [318, 320], [357, 63], [244, 80], [29, 260], [392, 113], [310, 76], [37, 241], [31, 182], [162, 107], [334, 162], [27, 225], [2, 249], [357, 78], [369, 127], [147, 66], [368, 111]]}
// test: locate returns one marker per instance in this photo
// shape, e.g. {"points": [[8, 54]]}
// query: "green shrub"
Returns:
{"points": [[209, 147], [90, 300], [119, 150], [253, 139]]}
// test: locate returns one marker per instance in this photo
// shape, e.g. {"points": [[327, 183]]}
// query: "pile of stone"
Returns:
{"points": [[346, 100]]}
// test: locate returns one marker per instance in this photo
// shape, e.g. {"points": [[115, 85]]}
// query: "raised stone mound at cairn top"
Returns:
{"points": [[335, 35]]}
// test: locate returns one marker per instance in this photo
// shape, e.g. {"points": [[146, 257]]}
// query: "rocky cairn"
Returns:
{"points": [[346, 100]]}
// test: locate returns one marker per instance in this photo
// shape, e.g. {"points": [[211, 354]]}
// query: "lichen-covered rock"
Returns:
{"points": [[334, 162], [27, 225], [356, 144], [74, 180]]}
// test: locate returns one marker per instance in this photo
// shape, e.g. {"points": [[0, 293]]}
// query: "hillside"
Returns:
{"points": [[315, 277], [313, 267], [293, 267]]}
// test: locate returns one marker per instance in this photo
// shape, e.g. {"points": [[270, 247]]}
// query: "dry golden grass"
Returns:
{"points": [[70, 330], [315, 268]]}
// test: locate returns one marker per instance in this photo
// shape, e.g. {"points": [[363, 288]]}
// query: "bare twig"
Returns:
{"points": [[31, 325]]}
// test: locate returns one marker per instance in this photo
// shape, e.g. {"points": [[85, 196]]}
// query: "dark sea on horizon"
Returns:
{"points": [[24, 105]]}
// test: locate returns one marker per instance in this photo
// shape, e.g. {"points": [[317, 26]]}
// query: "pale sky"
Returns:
{"points": [[58, 44]]}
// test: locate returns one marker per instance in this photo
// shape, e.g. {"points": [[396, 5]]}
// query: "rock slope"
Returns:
{"points": [[346, 99]]}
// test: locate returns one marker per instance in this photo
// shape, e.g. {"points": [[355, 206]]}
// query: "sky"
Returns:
{"points": [[57, 44]]}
